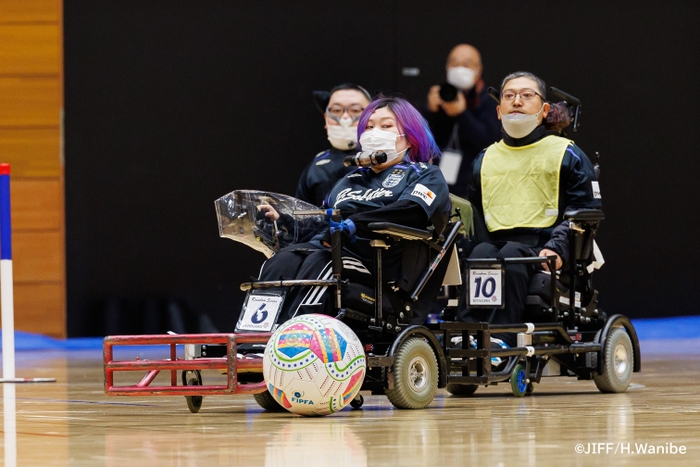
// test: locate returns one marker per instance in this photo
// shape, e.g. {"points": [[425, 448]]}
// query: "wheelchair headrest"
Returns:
{"points": [[466, 214]]}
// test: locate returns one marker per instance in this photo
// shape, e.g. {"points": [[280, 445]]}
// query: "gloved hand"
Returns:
{"points": [[347, 226]]}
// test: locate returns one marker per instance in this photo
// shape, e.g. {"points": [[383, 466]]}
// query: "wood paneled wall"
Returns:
{"points": [[31, 107]]}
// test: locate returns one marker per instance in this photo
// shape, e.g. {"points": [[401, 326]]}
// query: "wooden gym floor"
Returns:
{"points": [[71, 422]]}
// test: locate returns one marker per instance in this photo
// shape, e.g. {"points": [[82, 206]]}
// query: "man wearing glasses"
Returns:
{"points": [[342, 110], [522, 185]]}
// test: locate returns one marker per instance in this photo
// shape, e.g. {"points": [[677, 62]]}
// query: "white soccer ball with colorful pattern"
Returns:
{"points": [[314, 365]]}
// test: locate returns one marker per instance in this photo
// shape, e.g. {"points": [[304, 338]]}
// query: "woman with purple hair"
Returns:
{"points": [[405, 189]]}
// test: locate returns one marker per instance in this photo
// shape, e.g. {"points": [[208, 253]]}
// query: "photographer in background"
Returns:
{"points": [[462, 116]]}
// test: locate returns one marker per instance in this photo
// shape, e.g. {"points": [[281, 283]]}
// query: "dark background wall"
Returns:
{"points": [[172, 104]]}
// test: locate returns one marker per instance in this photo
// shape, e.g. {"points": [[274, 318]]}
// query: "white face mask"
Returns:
{"points": [[343, 136], [461, 77], [519, 125], [376, 140]]}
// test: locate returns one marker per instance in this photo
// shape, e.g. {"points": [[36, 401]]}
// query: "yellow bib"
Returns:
{"points": [[520, 185]]}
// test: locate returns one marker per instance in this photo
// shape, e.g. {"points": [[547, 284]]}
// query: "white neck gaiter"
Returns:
{"points": [[519, 125]]}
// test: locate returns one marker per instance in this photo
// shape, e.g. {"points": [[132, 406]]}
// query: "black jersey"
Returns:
{"points": [[321, 174], [363, 189]]}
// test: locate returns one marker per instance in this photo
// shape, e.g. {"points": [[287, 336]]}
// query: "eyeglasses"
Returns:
{"points": [[338, 110], [525, 94]]}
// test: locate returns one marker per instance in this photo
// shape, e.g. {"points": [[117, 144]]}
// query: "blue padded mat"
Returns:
{"points": [[678, 327], [30, 341]]}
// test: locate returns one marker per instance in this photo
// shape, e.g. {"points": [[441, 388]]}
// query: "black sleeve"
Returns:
{"points": [[559, 241], [403, 212], [577, 177], [304, 192]]}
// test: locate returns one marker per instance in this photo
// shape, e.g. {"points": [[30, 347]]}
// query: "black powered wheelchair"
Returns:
{"points": [[566, 333], [405, 359]]}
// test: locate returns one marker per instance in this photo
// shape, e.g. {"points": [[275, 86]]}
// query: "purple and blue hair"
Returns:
{"points": [[415, 127]]}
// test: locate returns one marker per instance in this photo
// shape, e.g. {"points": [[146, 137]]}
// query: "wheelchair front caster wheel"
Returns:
{"points": [[530, 388], [518, 381], [357, 402], [194, 403], [267, 402]]}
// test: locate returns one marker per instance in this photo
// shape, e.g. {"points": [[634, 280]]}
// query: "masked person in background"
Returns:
{"points": [[406, 189], [341, 110], [522, 186], [462, 116]]}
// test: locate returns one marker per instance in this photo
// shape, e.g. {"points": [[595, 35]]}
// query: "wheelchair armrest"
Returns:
{"points": [[400, 231], [584, 215]]}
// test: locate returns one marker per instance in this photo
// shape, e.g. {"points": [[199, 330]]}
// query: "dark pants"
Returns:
{"points": [[309, 261], [514, 287]]}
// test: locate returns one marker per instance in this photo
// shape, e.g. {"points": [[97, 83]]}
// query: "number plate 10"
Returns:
{"points": [[486, 287]]}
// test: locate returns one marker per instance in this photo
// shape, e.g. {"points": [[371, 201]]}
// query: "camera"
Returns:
{"points": [[448, 92]]}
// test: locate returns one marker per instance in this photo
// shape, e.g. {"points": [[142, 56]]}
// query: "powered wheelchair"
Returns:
{"points": [[405, 360], [565, 332]]}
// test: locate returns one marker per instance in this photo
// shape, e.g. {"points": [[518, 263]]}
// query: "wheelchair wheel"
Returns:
{"points": [[415, 374], [618, 362], [194, 403], [462, 389], [357, 402], [267, 402], [518, 381]]}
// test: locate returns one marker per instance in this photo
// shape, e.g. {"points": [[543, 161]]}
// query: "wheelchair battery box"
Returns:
{"points": [[485, 285]]}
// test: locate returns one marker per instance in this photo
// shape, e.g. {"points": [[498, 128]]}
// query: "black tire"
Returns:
{"points": [[518, 381], [357, 402], [194, 403], [618, 362], [415, 374], [267, 402], [462, 389]]}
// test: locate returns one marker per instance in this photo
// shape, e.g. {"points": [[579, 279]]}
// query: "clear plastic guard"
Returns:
{"points": [[241, 219]]}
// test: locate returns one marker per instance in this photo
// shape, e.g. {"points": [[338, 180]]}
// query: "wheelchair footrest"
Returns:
{"points": [[230, 363]]}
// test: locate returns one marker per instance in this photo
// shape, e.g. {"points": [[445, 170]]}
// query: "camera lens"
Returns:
{"points": [[448, 93]]}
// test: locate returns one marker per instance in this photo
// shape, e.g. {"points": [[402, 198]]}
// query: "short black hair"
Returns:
{"points": [[352, 86], [322, 98], [527, 74]]}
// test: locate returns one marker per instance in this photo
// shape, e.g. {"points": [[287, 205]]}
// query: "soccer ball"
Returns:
{"points": [[314, 365]]}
